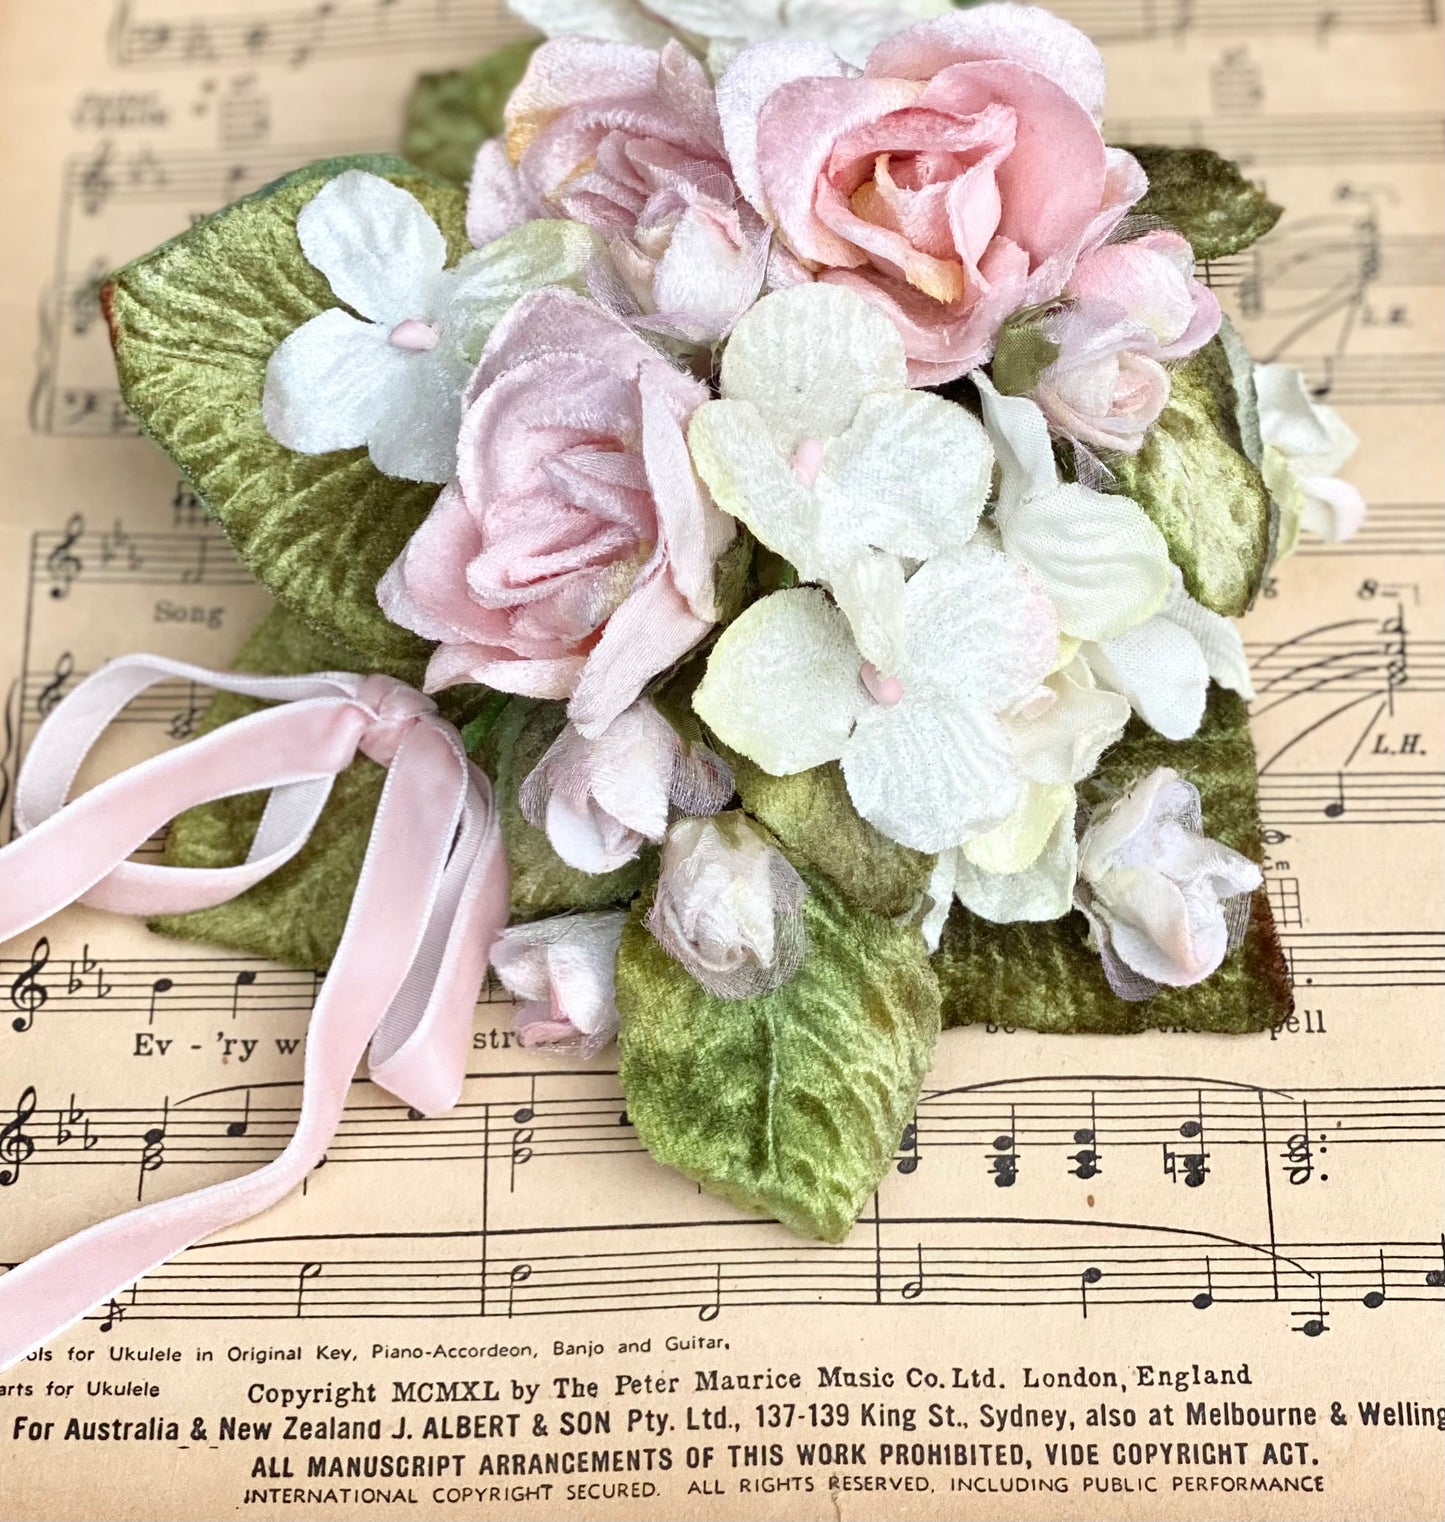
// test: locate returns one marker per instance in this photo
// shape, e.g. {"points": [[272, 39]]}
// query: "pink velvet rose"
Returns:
{"points": [[1129, 308], [959, 178], [627, 140], [573, 555]]}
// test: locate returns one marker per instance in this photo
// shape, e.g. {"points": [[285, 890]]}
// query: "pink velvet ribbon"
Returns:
{"points": [[431, 899]]}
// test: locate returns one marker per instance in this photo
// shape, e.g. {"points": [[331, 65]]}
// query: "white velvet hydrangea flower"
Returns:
{"points": [[1306, 444], [925, 752], [1099, 557], [391, 376], [852, 28], [819, 446], [1024, 868], [1108, 571]]}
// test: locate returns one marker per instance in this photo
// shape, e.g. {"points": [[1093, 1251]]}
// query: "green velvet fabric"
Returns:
{"points": [[794, 1103], [542, 883], [297, 914], [815, 821], [449, 116], [1196, 481], [1045, 977], [1206, 198], [194, 324]]}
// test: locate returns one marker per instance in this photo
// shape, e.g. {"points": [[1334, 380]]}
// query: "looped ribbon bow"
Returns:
{"points": [[431, 900]]}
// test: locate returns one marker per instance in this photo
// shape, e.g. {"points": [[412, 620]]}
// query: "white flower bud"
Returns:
{"points": [[1155, 888], [600, 800], [729, 907], [563, 972]]}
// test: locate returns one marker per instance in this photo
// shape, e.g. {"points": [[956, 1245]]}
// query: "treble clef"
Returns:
{"points": [[62, 562], [15, 1145], [52, 692], [27, 993]]}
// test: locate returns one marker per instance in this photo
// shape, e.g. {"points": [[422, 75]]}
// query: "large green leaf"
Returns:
{"points": [[449, 116], [791, 1104], [1045, 977], [542, 883], [1206, 198], [812, 815], [194, 324], [1196, 481]]}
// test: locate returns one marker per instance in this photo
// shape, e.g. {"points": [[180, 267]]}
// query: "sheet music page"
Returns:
{"points": [[1166, 1275]]}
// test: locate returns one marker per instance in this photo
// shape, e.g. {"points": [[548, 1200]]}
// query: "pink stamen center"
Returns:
{"points": [[886, 690], [808, 461], [415, 335]]}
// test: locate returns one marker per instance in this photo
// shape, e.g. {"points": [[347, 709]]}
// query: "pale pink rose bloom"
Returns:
{"points": [[573, 555], [958, 179], [1130, 307], [627, 141]]}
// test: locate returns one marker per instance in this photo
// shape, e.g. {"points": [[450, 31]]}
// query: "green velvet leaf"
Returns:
{"points": [[1206, 496], [1045, 977], [193, 325], [791, 1104], [298, 913], [449, 116], [815, 821], [1023, 352], [542, 883], [1206, 198]]}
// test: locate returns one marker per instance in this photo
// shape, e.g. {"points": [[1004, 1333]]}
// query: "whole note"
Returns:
{"points": [[27, 993], [15, 1145]]}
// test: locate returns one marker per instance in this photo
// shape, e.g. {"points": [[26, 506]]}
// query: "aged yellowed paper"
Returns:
{"points": [[1160, 1276]]}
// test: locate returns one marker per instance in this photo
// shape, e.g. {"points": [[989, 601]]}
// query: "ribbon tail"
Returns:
{"points": [[381, 970]]}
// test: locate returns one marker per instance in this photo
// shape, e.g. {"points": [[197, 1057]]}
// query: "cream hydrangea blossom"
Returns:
{"points": [[1024, 869], [1305, 445], [392, 376], [851, 28], [1099, 557], [925, 753], [819, 446]]}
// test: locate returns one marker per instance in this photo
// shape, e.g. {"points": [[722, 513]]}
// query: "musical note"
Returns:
{"points": [[519, 1274], [63, 564], [1004, 1165], [114, 1315], [1205, 1298], [159, 987], [1090, 1275], [15, 1145], [1315, 1325], [1377, 1297], [27, 993], [1435, 1277], [908, 1148], [240, 1127], [711, 1310], [1298, 1152], [913, 1289], [52, 692], [1086, 1159], [1335, 808], [304, 1275], [153, 1149], [1195, 1162], [246, 978]]}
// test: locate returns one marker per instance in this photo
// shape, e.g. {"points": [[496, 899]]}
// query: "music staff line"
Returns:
{"points": [[1390, 528], [1083, 1266], [1255, 139], [1186, 1122], [81, 555], [338, 28], [1296, 799]]}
